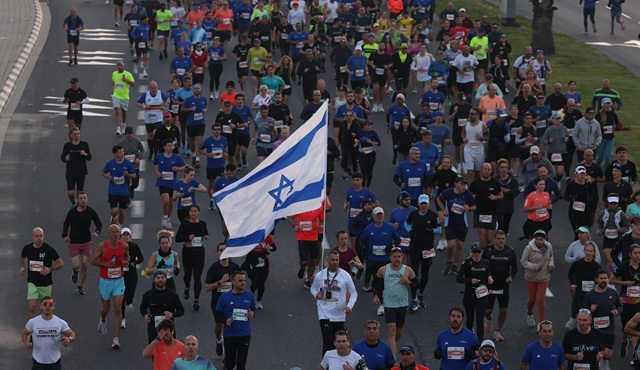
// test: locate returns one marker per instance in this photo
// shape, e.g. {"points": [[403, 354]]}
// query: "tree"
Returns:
{"points": [[542, 34]]}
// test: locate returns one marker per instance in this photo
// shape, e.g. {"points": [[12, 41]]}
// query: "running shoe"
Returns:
{"points": [[454, 270], [74, 276], [211, 205], [301, 272], [197, 163], [129, 308], [307, 284], [497, 336], [115, 344], [196, 305], [259, 305], [413, 306], [117, 24], [211, 97], [380, 311], [102, 327], [593, 25], [531, 321], [623, 349], [118, 131], [219, 349], [166, 56], [447, 268], [186, 293], [123, 324], [217, 95], [168, 225], [367, 288], [80, 291], [135, 68], [421, 302]]}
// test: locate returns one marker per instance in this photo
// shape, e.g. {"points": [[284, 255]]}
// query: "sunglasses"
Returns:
{"points": [[541, 98], [47, 304], [476, 251]]}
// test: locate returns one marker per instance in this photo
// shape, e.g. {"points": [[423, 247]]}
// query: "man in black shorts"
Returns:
{"points": [[458, 115], [72, 25], [379, 63], [75, 154], [229, 122], [487, 191], [504, 266], [74, 97], [239, 53], [119, 172]]}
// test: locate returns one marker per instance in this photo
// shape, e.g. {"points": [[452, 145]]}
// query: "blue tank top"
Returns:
{"points": [[168, 264]]}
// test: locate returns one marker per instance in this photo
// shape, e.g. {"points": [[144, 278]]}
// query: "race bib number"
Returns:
{"points": [[429, 253], [485, 219], [449, 17], [196, 241], [260, 262], [226, 129], [133, 22], [224, 287], [119, 85], [240, 314], [284, 36], [404, 30], [556, 157], [257, 60], [243, 64], [175, 108], [380, 71], [633, 291], [611, 233], [73, 32], [379, 250], [396, 124], [245, 15], [404, 242], [456, 208], [333, 301], [570, 131], [114, 272], [542, 212], [581, 366], [36, 266], [353, 212], [439, 146], [433, 106], [360, 29], [579, 206], [587, 285], [264, 38], [359, 72], [180, 71], [482, 291], [541, 124], [607, 129], [265, 138], [462, 122], [413, 182], [299, 45], [216, 153], [198, 116], [152, 115], [75, 106], [209, 35], [474, 145], [343, 69], [130, 157], [514, 131], [226, 21], [278, 124], [142, 45], [157, 319], [198, 70], [186, 202], [497, 292], [118, 180], [479, 55], [367, 150], [337, 39], [492, 114], [455, 353], [167, 175], [601, 322], [306, 226]]}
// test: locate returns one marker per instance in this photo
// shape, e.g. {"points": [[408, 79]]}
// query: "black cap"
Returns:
{"points": [[589, 110], [462, 96], [73, 80], [128, 130], [226, 102], [460, 179]]}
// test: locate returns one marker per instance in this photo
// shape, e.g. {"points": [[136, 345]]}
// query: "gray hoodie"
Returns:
{"points": [[587, 133]]}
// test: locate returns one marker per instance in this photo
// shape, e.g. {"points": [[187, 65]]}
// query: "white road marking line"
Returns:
{"points": [[109, 30], [92, 63], [137, 230], [143, 166], [626, 16], [141, 115], [85, 106], [143, 89], [86, 114], [93, 100], [141, 130], [548, 293], [142, 184], [137, 209], [96, 52]]}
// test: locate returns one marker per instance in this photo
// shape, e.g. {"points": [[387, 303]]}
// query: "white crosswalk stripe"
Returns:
{"points": [[54, 105], [103, 34], [95, 58]]}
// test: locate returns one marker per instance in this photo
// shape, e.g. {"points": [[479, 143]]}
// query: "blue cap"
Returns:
{"points": [[180, 21], [265, 15], [423, 198], [408, 348], [556, 116], [438, 114], [501, 113], [606, 100], [617, 165]]}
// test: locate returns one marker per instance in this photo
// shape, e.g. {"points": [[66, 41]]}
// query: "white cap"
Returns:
{"points": [[125, 230], [462, 10], [378, 210], [534, 149], [358, 48], [400, 96], [613, 199], [488, 343], [423, 198]]}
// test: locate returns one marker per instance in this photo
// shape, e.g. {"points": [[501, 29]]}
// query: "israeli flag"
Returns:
{"points": [[289, 181]]}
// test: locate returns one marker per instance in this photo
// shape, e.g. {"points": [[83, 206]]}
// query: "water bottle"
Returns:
{"points": [[362, 364]]}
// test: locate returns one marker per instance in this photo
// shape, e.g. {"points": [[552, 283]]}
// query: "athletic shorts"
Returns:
{"points": [[165, 190], [297, 58], [483, 64], [466, 87], [473, 161], [486, 224], [503, 299], [153, 25], [151, 127], [242, 72], [75, 115], [455, 233], [35, 365], [255, 73], [75, 180], [243, 140], [111, 288], [119, 201], [38, 292], [286, 92], [358, 83], [214, 173], [457, 136], [379, 80], [118, 2], [117, 103], [139, 50], [195, 130], [73, 40], [395, 315], [81, 249], [163, 34], [402, 83], [224, 35], [307, 249], [263, 152]]}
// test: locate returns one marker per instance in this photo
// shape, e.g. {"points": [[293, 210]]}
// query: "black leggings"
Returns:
{"points": [[215, 71], [130, 283], [420, 266], [474, 310], [349, 153], [372, 270], [258, 278], [328, 329], [236, 350], [588, 13], [367, 161], [504, 219], [193, 263]]}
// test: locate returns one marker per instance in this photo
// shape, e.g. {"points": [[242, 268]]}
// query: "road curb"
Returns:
{"points": [[7, 89]]}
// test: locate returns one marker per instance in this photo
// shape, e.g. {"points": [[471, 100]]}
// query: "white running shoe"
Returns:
{"points": [[123, 324], [441, 245], [216, 95], [118, 131], [106, 2], [102, 327], [135, 68], [116, 343], [129, 308], [531, 321], [380, 310]]}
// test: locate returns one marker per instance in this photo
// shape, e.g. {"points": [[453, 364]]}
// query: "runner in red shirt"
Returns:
{"points": [[306, 226]]}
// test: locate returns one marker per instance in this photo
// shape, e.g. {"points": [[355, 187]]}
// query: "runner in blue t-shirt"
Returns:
{"points": [[411, 175], [166, 166], [118, 171], [73, 24], [456, 345], [216, 150], [399, 216], [196, 107], [184, 191], [379, 237], [543, 354]]}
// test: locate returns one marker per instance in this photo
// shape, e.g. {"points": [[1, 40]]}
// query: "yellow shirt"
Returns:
{"points": [[404, 25], [121, 88]]}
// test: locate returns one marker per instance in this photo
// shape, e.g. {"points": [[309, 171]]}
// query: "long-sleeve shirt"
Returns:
{"points": [[77, 163], [77, 225]]}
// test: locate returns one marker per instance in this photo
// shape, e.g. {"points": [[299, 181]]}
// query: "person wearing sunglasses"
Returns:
{"points": [[487, 358], [475, 274], [43, 333]]}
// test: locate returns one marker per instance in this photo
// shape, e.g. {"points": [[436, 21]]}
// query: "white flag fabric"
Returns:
{"points": [[290, 181]]}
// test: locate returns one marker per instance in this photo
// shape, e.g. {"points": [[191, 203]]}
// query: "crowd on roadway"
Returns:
{"points": [[542, 145]]}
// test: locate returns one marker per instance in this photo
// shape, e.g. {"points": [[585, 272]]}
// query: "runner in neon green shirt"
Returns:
{"points": [[480, 46], [121, 81], [163, 18]]}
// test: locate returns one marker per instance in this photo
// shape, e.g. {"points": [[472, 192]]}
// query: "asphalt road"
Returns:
{"points": [[285, 333], [623, 47]]}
